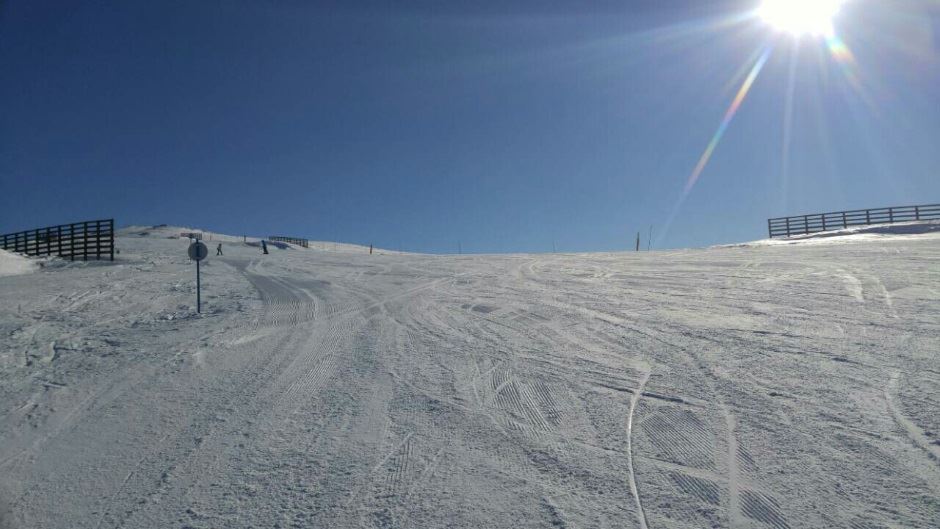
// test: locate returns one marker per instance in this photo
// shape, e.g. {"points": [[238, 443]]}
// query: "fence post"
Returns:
{"points": [[916, 212], [788, 226], [805, 225], [845, 223], [867, 216], [823, 221], [890, 215], [111, 224], [770, 231]]}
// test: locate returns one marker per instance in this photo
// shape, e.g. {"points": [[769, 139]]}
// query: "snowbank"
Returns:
{"points": [[875, 232], [12, 264]]}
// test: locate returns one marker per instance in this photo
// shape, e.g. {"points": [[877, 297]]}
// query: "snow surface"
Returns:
{"points": [[12, 264], [780, 386]]}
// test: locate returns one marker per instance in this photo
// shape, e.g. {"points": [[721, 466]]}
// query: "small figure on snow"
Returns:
{"points": [[218, 251], [264, 247]]}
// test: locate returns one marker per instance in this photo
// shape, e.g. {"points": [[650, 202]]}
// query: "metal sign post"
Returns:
{"points": [[197, 252]]}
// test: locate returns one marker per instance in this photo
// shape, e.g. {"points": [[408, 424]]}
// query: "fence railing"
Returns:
{"points": [[837, 220], [292, 240], [79, 240]]}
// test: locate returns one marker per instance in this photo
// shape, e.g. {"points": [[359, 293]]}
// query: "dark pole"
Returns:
{"points": [[198, 289]]}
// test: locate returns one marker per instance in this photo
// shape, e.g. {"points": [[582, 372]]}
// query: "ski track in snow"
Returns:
{"points": [[339, 389], [853, 285], [915, 433], [633, 486]]}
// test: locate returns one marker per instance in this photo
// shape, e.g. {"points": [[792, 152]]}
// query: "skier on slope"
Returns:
{"points": [[218, 251], [264, 247]]}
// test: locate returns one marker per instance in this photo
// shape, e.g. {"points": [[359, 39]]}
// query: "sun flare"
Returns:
{"points": [[802, 17]]}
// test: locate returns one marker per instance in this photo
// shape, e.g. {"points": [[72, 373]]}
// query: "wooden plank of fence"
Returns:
{"points": [[94, 239]]}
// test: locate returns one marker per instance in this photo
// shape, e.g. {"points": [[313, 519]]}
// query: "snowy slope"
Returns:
{"points": [[166, 231], [777, 386]]}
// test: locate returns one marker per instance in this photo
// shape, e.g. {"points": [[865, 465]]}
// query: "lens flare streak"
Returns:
{"points": [[729, 116], [780, 13]]}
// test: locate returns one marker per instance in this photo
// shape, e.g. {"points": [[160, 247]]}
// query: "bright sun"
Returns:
{"points": [[801, 17]]}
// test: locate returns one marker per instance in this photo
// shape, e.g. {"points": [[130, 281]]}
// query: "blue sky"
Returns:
{"points": [[501, 127]]}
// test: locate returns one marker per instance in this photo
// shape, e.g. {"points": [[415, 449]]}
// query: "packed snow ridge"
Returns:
{"points": [[12, 264], [764, 386]]}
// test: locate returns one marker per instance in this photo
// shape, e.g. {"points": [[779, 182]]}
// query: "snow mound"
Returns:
{"points": [[12, 264], [874, 232]]}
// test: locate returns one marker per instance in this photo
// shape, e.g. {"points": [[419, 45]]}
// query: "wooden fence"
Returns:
{"points": [[817, 222], [292, 240], [80, 240]]}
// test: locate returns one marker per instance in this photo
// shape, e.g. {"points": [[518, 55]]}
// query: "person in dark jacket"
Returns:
{"points": [[218, 251], [264, 247]]}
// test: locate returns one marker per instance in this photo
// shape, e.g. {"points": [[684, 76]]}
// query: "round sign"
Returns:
{"points": [[198, 251]]}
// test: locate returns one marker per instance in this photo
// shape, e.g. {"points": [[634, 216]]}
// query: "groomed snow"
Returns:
{"points": [[768, 386], [12, 264]]}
